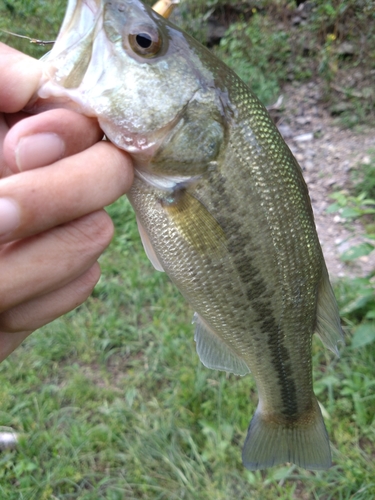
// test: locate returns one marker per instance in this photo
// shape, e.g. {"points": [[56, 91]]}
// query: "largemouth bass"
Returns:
{"points": [[221, 206]]}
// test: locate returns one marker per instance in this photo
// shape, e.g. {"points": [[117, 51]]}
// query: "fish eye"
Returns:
{"points": [[146, 42], [143, 40]]}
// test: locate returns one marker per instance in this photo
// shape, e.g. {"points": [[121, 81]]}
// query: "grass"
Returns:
{"points": [[112, 402], [32, 18]]}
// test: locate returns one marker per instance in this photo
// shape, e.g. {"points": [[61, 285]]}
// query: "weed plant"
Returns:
{"points": [[360, 307], [269, 42], [38, 19], [111, 401]]}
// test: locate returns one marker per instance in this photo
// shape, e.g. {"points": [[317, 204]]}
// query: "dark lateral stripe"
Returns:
{"points": [[256, 291], [280, 358]]}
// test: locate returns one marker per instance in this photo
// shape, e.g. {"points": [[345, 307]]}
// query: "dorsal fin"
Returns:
{"points": [[328, 327]]}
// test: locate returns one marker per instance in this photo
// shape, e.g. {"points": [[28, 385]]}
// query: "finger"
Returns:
{"points": [[13, 118], [10, 341], [42, 139], [17, 323], [39, 265], [43, 198], [20, 80], [21, 321], [3, 132]]}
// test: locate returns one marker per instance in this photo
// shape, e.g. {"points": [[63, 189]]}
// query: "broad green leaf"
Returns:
{"points": [[365, 334], [335, 207], [361, 301], [349, 213], [357, 251]]}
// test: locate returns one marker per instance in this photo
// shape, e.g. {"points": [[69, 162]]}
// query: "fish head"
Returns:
{"points": [[146, 81]]}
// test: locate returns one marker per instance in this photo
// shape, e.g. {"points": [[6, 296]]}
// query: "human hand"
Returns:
{"points": [[56, 175]]}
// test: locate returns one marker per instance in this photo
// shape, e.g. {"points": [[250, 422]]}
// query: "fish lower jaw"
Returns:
{"points": [[134, 144]]}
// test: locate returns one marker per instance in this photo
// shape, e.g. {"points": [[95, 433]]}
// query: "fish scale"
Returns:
{"points": [[221, 206]]}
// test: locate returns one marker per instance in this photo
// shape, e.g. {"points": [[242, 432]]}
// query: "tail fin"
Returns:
{"points": [[304, 443]]}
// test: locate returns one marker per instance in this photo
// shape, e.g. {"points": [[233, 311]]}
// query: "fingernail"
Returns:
{"points": [[9, 216], [39, 150]]}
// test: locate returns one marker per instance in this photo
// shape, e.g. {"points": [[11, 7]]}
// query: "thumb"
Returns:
{"points": [[20, 76]]}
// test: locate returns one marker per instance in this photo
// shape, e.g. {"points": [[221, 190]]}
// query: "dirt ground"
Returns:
{"points": [[327, 154]]}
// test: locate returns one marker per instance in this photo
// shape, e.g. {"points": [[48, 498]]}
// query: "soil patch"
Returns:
{"points": [[327, 154]]}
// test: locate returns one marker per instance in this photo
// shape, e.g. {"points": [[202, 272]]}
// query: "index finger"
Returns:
{"points": [[20, 77]]}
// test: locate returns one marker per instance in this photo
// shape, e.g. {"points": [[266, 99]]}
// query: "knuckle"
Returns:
{"points": [[40, 311], [87, 281], [93, 232], [13, 320]]}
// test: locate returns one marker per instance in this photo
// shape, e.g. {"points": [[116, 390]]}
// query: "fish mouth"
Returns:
{"points": [[66, 65], [73, 68], [80, 19]]}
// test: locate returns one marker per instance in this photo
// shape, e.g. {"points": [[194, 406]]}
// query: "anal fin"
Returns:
{"points": [[214, 353]]}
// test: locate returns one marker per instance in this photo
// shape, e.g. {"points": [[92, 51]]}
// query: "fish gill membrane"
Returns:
{"points": [[221, 206]]}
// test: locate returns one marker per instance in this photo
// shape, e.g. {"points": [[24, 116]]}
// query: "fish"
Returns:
{"points": [[221, 206]]}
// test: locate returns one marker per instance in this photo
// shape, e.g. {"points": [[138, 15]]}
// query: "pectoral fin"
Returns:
{"points": [[328, 327], [150, 252], [214, 353], [195, 223]]}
